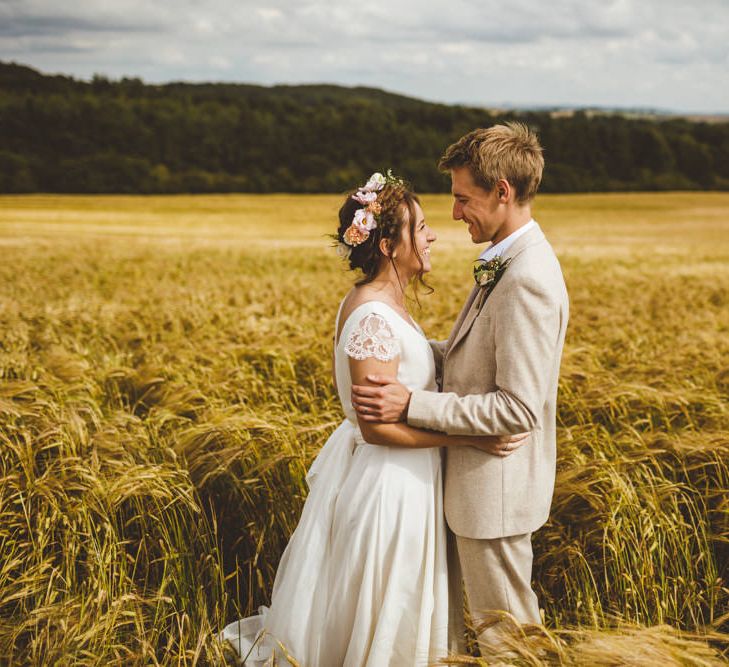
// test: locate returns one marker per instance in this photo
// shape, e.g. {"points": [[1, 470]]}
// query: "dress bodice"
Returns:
{"points": [[394, 336]]}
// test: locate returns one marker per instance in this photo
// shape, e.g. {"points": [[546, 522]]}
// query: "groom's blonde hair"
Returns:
{"points": [[511, 151]]}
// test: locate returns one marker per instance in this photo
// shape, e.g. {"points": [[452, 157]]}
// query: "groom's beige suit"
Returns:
{"points": [[498, 374]]}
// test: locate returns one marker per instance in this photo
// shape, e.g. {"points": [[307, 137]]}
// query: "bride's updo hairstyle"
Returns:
{"points": [[396, 208]]}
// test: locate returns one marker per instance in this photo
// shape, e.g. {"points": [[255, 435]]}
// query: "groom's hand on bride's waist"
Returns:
{"points": [[385, 400]]}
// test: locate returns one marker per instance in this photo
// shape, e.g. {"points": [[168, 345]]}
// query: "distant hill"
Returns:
{"points": [[60, 134]]}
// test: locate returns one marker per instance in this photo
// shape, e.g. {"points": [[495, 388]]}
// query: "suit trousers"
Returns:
{"points": [[497, 577]]}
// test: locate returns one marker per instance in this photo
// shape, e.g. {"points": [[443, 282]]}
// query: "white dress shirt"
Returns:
{"points": [[502, 246]]}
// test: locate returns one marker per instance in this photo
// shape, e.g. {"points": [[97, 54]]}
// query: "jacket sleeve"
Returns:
{"points": [[526, 343]]}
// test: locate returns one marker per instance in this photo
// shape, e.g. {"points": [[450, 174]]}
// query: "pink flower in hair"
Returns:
{"points": [[364, 219], [364, 197]]}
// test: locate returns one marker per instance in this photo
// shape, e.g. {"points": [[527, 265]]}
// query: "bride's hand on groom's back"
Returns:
{"points": [[499, 445]]}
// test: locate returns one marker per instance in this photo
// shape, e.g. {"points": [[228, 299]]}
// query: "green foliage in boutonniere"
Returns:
{"points": [[488, 273]]}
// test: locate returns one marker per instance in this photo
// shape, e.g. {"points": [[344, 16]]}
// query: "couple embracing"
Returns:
{"points": [[444, 465]]}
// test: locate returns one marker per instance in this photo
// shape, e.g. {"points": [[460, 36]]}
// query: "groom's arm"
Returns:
{"points": [[384, 399], [526, 340]]}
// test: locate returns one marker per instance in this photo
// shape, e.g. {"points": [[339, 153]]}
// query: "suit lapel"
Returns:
{"points": [[469, 317], [478, 297], [465, 312]]}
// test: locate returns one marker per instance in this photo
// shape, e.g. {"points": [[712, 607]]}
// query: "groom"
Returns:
{"points": [[498, 374]]}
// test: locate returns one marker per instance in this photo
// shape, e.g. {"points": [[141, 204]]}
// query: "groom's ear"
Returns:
{"points": [[503, 190]]}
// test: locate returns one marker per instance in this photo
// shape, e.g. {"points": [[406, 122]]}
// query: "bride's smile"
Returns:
{"points": [[413, 252]]}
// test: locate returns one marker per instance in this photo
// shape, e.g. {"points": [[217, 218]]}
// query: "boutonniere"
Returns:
{"points": [[488, 273]]}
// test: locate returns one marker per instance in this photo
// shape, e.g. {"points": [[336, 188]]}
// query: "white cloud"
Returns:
{"points": [[269, 13], [220, 62], [654, 53]]}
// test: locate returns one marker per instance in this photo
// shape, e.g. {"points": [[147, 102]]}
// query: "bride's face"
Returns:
{"points": [[423, 236]]}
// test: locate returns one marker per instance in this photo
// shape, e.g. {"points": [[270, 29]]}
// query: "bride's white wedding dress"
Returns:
{"points": [[363, 580]]}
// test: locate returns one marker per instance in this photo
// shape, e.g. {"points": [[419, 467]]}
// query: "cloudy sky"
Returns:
{"points": [[661, 54]]}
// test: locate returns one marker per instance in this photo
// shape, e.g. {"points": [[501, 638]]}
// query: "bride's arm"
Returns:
{"points": [[402, 435]]}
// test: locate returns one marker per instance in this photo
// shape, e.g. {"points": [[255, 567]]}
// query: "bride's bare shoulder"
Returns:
{"points": [[353, 299]]}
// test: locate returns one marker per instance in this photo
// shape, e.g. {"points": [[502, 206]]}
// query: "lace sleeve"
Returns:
{"points": [[372, 337]]}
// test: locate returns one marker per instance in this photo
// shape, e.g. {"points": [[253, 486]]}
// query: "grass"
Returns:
{"points": [[165, 383]]}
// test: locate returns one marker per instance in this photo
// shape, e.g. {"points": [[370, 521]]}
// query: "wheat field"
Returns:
{"points": [[165, 383]]}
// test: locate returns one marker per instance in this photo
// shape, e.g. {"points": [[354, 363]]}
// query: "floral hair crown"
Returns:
{"points": [[366, 218]]}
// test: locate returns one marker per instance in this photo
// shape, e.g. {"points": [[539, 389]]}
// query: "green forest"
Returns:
{"points": [[60, 134]]}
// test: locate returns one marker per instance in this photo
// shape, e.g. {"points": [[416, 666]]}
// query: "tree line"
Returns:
{"points": [[60, 134]]}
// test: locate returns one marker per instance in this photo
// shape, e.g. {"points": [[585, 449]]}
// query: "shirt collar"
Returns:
{"points": [[502, 246]]}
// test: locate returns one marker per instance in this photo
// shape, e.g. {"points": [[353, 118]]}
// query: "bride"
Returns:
{"points": [[363, 580]]}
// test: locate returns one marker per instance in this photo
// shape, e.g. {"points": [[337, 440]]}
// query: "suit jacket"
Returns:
{"points": [[498, 374]]}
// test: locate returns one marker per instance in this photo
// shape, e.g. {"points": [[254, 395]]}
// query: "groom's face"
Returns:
{"points": [[478, 208]]}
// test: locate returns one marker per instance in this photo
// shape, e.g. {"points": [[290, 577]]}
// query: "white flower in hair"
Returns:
{"points": [[364, 220], [376, 183]]}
